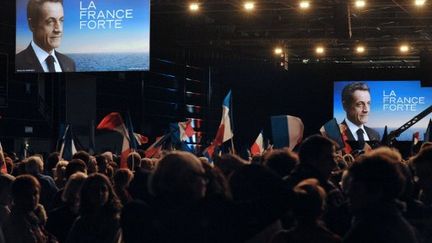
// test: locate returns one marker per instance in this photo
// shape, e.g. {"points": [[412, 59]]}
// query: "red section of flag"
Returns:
{"points": [[141, 138], [155, 148], [111, 121], [189, 131], [255, 149], [3, 168], [343, 130], [219, 135], [152, 152], [210, 150]]}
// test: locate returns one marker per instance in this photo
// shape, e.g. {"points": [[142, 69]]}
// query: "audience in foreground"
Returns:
{"points": [[315, 195]]}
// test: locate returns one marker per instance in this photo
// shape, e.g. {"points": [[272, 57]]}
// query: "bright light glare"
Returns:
{"points": [[319, 50], [360, 3], [420, 2], [304, 4], [404, 48], [278, 51], [194, 7], [360, 49], [249, 6]]}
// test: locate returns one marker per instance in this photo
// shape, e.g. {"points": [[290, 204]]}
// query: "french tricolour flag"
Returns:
{"points": [[156, 147], [68, 148], [257, 147], [182, 130], [114, 122], [224, 132], [209, 152], [141, 139], [287, 131], [332, 130]]}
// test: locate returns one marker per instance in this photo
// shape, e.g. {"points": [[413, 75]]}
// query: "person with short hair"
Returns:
{"points": [[88, 160], [34, 166], [356, 101], [45, 20], [373, 185], [122, 179], [281, 161], [308, 206], [51, 163], [317, 156], [179, 177], [133, 161], [422, 164]]}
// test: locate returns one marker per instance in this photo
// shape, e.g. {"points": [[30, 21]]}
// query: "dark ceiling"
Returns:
{"points": [[222, 30]]}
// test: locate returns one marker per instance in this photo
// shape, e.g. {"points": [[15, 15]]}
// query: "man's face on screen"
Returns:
{"points": [[358, 110], [48, 31]]}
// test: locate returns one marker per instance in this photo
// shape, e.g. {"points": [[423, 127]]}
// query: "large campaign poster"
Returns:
{"points": [[393, 103], [92, 35]]}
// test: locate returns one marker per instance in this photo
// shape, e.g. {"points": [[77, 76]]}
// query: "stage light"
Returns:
{"points": [[249, 6], [193, 7], [360, 3], [420, 3], [404, 48], [304, 4], [319, 50], [277, 51], [360, 49]]}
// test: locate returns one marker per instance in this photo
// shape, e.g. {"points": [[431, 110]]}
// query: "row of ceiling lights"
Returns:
{"points": [[303, 4], [360, 49]]}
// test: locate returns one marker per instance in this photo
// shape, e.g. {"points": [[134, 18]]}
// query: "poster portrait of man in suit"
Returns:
{"points": [[45, 21], [356, 101]]}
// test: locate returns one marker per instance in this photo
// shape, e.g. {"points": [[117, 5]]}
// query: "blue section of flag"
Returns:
{"points": [[175, 132], [62, 128], [280, 131], [333, 132], [207, 155], [186, 147], [68, 146], [227, 100], [133, 144], [176, 140]]}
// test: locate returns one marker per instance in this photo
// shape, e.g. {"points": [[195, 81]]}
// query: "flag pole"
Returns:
{"points": [[232, 146]]}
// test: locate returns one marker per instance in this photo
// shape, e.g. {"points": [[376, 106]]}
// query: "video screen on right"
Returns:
{"points": [[392, 104]]}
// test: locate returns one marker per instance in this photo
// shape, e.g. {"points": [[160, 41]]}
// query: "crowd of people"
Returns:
{"points": [[315, 194]]}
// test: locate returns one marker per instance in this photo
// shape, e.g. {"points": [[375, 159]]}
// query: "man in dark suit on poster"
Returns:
{"points": [[45, 20], [356, 102]]}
